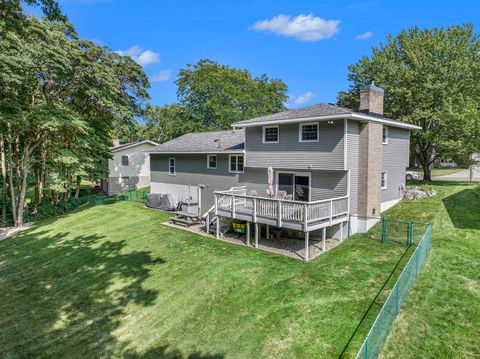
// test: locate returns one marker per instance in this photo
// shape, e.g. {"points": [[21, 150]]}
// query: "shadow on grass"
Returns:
{"points": [[64, 296], [463, 208], [163, 352]]}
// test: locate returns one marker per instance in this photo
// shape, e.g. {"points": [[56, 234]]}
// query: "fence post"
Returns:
{"points": [[409, 233]]}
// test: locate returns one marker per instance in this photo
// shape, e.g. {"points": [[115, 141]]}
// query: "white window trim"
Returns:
{"points": [[208, 162], [300, 129], [386, 180], [230, 162], [302, 174], [174, 166], [263, 134], [386, 135]]}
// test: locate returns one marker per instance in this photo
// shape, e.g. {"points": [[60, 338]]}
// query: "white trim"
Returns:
{"points": [[229, 163], [193, 152], [353, 116], [174, 166], [294, 173], [385, 128], [263, 134], [345, 143], [386, 180], [389, 204], [122, 147], [300, 130], [208, 162]]}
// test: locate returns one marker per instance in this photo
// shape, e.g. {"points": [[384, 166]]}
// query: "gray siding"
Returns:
{"points": [[326, 154], [395, 162], [191, 169], [353, 148]]}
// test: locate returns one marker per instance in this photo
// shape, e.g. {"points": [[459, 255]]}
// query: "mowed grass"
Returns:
{"points": [[111, 281], [441, 318]]}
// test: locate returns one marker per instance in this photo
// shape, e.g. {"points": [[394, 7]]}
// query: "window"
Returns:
{"points": [[384, 180], [270, 134], [236, 163], [124, 160], [212, 161], [308, 132], [385, 135], [171, 166]]}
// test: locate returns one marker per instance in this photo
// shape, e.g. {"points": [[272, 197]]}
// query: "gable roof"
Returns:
{"points": [[132, 144], [320, 112], [205, 142]]}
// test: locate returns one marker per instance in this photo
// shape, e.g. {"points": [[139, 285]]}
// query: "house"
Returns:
{"points": [[331, 165], [129, 167]]}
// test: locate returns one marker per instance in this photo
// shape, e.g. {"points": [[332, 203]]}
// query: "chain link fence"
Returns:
{"points": [[380, 329]]}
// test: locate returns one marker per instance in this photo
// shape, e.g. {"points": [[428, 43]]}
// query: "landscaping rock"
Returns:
{"points": [[415, 192]]}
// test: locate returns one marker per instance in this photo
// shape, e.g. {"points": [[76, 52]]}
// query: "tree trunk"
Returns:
{"points": [[23, 185], [77, 188], [427, 173], [10, 183], [4, 179]]}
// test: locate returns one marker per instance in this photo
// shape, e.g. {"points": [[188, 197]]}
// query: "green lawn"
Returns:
{"points": [[111, 281], [440, 171], [441, 318]]}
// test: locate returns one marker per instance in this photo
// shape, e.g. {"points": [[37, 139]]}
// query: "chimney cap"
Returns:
{"points": [[372, 87]]}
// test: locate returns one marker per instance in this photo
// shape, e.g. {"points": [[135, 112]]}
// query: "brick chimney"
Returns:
{"points": [[371, 100], [370, 152]]}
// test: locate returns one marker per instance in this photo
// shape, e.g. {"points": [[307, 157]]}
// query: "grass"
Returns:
{"points": [[442, 314], [111, 281]]}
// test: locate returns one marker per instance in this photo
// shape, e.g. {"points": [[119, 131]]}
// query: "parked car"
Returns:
{"points": [[411, 175]]}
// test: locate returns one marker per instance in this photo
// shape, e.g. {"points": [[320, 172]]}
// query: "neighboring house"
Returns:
{"points": [[129, 167], [330, 161]]}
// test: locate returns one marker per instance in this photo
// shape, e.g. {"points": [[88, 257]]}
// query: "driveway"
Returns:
{"points": [[463, 175]]}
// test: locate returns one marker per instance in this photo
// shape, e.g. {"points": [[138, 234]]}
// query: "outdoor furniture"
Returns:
{"points": [[281, 194], [289, 197], [186, 219], [253, 192]]}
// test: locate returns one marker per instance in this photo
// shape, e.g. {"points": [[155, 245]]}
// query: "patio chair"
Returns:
{"points": [[253, 192], [289, 197], [281, 195]]}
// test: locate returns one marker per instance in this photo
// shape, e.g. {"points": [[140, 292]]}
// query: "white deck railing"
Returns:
{"points": [[237, 202]]}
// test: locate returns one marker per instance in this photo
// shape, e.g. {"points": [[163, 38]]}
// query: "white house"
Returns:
{"points": [[129, 167]]}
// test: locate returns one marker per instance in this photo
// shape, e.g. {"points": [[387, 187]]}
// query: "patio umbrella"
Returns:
{"points": [[270, 181]]}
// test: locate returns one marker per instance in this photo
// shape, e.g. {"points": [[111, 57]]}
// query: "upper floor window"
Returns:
{"points": [[236, 164], [308, 132], [124, 160], [384, 180], [385, 135], [212, 161], [171, 166], [270, 134]]}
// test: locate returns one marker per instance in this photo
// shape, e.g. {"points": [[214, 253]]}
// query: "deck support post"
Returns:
{"points": [[268, 231], [324, 238], [341, 231], [248, 233], [306, 245], [257, 229], [217, 229]]}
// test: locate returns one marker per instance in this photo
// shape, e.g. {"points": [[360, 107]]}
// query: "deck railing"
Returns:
{"points": [[237, 202]]}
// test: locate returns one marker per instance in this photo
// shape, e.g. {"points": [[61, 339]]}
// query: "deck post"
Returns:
{"points": [[233, 206], [331, 211], [268, 231], [305, 217], [324, 238], [248, 233], [257, 229], [341, 231], [255, 210], [217, 231], [279, 213], [306, 245]]}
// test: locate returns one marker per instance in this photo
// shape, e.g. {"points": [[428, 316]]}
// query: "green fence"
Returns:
{"points": [[68, 205], [380, 329]]}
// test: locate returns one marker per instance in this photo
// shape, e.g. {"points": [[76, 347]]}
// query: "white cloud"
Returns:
{"points": [[303, 27], [162, 76], [364, 36], [301, 99], [143, 58]]}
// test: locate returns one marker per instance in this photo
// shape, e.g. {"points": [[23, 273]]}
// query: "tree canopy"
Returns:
{"points": [[430, 79]]}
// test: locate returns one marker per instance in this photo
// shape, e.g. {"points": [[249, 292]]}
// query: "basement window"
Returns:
{"points": [[124, 160]]}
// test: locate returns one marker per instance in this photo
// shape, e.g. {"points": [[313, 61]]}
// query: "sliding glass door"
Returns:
{"points": [[295, 184]]}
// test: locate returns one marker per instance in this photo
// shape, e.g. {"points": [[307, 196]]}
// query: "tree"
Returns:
{"points": [[430, 79], [214, 96], [164, 123]]}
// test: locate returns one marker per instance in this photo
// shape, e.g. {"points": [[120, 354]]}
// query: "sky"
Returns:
{"points": [[307, 44]]}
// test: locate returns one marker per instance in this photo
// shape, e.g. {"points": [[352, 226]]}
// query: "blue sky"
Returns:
{"points": [[307, 44]]}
